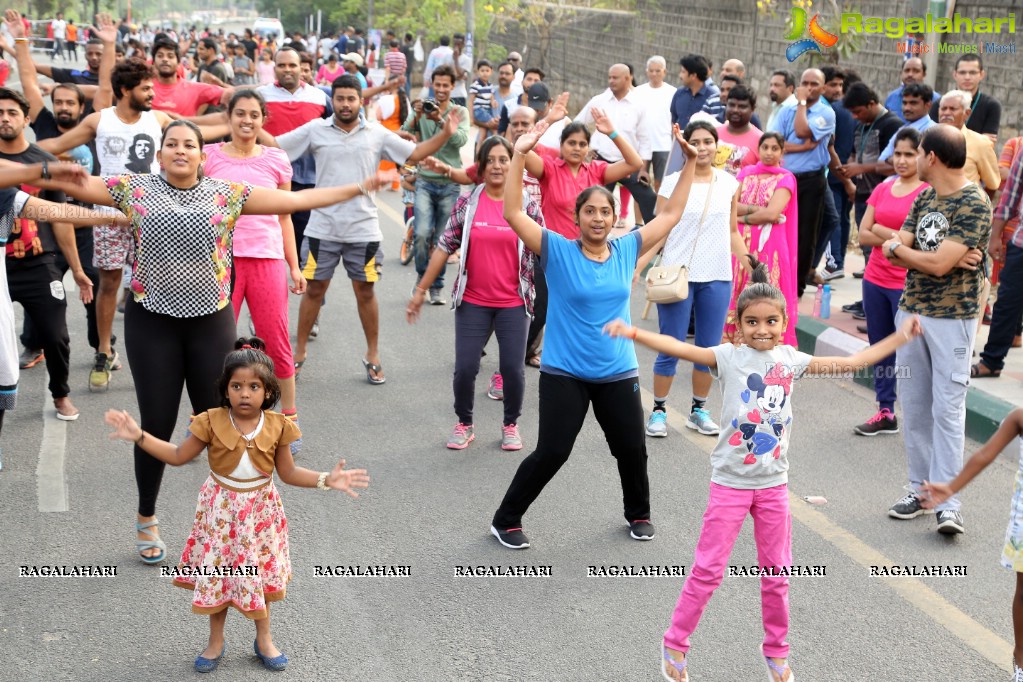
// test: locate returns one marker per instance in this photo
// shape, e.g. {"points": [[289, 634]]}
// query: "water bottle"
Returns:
{"points": [[826, 302], [817, 302]]}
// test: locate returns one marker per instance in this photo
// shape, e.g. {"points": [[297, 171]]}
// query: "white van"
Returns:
{"points": [[265, 26]]}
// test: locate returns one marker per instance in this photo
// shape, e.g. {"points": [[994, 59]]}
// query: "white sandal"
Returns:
{"points": [[679, 666]]}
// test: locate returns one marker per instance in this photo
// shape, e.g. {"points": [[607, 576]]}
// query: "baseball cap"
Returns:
{"points": [[353, 57], [538, 96]]}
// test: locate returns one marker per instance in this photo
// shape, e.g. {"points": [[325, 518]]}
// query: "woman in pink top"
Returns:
{"points": [[265, 67], [768, 222], [330, 71], [264, 245], [562, 180], [883, 282], [492, 291]]}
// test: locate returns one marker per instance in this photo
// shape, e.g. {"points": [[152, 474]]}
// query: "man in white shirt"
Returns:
{"points": [[462, 64], [442, 54], [59, 34], [515, 59], [628, 113], [658, 95]]}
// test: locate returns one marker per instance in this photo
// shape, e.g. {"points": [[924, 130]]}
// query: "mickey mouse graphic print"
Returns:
{"points": [[756, 414], [963, 217]]}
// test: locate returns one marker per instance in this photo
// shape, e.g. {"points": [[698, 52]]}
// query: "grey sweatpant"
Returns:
{"points": [[934, 371]]}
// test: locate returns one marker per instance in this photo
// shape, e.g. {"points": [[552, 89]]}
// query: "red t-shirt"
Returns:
{"points": [[184, 97], [890, 211], [560, 190], [492, 263]]}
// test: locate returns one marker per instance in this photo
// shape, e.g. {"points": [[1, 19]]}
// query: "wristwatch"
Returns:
{"points": [[802, 102], [891, 249]]}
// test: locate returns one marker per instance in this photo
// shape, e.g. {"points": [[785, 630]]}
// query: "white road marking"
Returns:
{"points": [[51, 486]]}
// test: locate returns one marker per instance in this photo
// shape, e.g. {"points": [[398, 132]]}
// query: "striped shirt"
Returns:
{"points": [[287, 111], [395, 62]]}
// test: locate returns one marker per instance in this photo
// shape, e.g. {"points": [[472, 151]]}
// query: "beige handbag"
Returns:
{"points": [[670, 283]]}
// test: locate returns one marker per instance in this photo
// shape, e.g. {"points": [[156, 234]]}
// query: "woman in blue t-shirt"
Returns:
{"points": [[590, 284]]}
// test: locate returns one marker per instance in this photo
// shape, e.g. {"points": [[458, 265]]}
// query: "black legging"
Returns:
{"points": [[564, 402], [535, 336], [166, 353]]}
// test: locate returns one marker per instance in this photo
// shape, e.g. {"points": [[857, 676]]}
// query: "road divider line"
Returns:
{"points": [[912, 590], [51, 486]]}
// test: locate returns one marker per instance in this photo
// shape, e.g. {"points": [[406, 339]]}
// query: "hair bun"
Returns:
{"points": [[759, 274], [250, 342]]}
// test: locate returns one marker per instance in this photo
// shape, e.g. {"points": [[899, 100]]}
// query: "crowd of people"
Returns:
{"points": [[209, 166]]}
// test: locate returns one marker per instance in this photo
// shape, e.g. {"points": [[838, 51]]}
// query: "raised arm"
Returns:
{"points": [[264, 201], [631, 160], [107, 32], [870, 355], [26, 70], [658, 228], [662, 343], [528, 230]]}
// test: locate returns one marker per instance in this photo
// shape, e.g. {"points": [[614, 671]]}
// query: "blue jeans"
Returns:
{"points": [[840, 237], [434, 201], [710, 301], [880, 306]]}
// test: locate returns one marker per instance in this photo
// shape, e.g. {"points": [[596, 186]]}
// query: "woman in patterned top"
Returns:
{"points": [[180, 326]]}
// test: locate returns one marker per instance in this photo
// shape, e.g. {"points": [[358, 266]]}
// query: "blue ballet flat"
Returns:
{"points": [[276, 663], [208, 665]]}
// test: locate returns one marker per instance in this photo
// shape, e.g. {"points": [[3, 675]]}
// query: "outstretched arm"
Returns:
{"points": [[1010, 429], [433, 145], [42, 210], [528, 230], [870, 355], [81, 134], [92, 190], [662, 343], [657, 229], [338, 479], [264, 201], [125, 428]]}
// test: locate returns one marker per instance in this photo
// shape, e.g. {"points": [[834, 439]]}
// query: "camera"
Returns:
{"points": [[430, 105]]}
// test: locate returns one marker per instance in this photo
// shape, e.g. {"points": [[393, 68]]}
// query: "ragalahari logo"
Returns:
{"points": [[818, 36]]}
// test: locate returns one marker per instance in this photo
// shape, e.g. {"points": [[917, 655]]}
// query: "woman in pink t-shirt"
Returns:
{"points": [[492, 291], [330, 71], [264, 245], [562, 180], [887, 208]]}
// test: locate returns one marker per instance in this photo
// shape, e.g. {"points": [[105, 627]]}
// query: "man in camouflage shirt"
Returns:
{"points": [[941, 243]]}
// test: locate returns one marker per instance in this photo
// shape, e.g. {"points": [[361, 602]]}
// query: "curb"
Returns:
{"points": [[984, 412]]}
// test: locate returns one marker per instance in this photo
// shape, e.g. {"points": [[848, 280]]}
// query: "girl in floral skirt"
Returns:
{"points": [[1012, 552], [237, 553]]}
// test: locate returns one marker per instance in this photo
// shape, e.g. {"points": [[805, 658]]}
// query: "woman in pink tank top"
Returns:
{"points": [[265, 255]]}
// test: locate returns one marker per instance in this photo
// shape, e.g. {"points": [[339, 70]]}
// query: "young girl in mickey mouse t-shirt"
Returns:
{"points": [[750, 461]]}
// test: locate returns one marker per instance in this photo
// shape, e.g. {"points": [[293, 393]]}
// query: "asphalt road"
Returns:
{"points": [[429, 508]]}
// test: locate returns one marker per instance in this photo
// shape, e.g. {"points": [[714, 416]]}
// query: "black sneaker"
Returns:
{"points": [[882, 422], [437, 298], [853, 307], [950, 522], [641, 530], [909, 507], [512, 538], [859, 274]]}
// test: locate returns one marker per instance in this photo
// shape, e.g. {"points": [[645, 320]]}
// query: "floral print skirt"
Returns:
{"points": [[1012, 553], [237, 552]]}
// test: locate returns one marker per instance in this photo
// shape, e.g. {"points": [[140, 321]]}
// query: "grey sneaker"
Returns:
{"points": [[496, 390], [950, 522], [699, 420], [437, 297], [657, 425], [99, 376], [510, 438], [461, 437], [909, 507]]}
